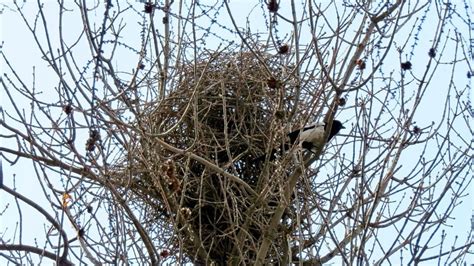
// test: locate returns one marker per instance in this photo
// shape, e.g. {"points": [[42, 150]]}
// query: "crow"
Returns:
{"points": [[310, 137]]}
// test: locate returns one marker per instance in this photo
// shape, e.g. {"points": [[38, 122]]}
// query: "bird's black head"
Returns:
{"points": [[336, 127]]}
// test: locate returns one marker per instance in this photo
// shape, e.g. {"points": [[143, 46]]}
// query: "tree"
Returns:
{"points": [[144, 133]]}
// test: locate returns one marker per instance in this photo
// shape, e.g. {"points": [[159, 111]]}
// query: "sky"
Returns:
{"points": [[19, 45]]}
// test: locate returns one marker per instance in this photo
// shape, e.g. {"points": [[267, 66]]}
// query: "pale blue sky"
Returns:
{"points": [[21, 50]]}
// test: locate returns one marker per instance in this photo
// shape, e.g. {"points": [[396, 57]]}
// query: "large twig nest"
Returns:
{"points": [[221, 110]]}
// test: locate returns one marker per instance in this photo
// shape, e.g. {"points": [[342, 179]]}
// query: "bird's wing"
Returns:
{"points": [[313, 133], [293, 136], [317, 124], [304, 132]]}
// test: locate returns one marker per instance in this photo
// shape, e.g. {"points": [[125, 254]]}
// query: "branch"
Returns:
{"points": [[39, 251], [46, 215]]}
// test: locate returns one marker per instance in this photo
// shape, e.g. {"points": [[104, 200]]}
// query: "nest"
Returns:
{"points": [[221, 110]]}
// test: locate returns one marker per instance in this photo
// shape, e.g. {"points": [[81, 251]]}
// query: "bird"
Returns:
{"points": [[312, 136], [309, 137]]}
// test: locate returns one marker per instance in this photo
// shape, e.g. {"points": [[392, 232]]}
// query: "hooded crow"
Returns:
{"points": [[310, 137]]}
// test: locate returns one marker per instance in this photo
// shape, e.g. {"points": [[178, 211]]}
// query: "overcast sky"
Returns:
{"points": [[21, 49]]}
